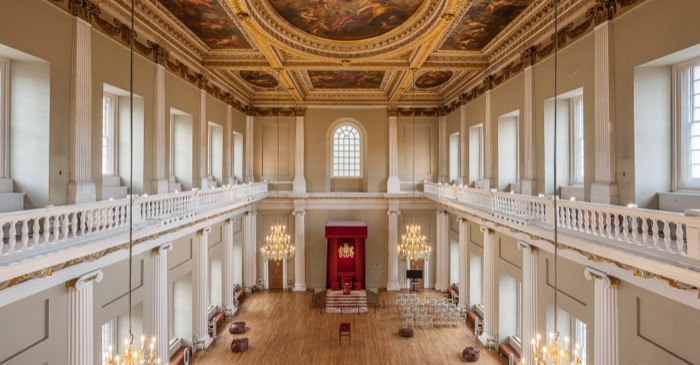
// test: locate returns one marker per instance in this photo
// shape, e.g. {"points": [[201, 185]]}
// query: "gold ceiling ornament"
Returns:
{"points": [[346, 251], [278, 244]]}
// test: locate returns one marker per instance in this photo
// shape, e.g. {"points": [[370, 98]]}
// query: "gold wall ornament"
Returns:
{"points": [[602, 11], [84, 9], [346, 251]]}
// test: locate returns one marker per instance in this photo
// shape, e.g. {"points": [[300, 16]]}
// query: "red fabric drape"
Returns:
{"points": [[336, 267]]}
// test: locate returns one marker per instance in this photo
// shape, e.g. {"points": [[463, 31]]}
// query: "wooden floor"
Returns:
{"points": [[282, 329]]}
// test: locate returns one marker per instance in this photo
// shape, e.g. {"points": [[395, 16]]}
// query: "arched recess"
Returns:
{"points": [[346, 184]]}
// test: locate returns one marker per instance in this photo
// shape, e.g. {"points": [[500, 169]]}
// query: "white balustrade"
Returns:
{"points": [[26, 230], [654, 233]]}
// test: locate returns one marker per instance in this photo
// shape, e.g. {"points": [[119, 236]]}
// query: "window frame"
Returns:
{"points": [[477, 128], [359, 147], [5, 117], [577, 163], [111, 150], [578, 338], [683, 94]]}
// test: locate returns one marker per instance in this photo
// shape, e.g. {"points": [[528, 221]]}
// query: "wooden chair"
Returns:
{"points": [[344, 330]]}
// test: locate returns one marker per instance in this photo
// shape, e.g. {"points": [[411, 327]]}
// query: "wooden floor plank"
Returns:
{"points": [[282, 329]]}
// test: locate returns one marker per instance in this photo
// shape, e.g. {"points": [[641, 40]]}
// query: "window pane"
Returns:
{"points": [[696, 115], [695, 157], [696, 72], [696, 100], [695, 172], [695, 143], [346, 152]]}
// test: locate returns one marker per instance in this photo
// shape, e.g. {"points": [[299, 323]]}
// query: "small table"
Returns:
{"points": [[344, 330]]}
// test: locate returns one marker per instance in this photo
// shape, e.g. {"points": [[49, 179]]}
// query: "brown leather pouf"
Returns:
{"points": [[405, 332], [236, 328], [239, 344], [471, 354]]}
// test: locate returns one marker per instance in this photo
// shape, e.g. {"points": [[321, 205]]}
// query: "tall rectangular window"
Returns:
{"points": [[579, 337], [688, 161], [576, 110], [109, 118]]}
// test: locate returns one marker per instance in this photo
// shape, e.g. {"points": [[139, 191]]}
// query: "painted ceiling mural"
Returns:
{"points": [[433, 79], [260, 79], [482, 22], [209, 21], [346, 79], [346, 20]]}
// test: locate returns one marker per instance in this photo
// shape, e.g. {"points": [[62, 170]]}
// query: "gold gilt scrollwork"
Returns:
{"points": [[602, 11]]}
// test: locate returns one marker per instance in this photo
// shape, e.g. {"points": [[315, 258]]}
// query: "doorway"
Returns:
{"points": [[275, 273], [418, 265]]}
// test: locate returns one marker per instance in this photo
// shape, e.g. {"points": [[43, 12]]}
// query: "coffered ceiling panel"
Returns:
{"points": [[482, 22], [346, 79], [259, 79], [208, 20]]}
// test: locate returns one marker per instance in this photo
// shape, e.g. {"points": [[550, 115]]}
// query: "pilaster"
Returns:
{"points": [[463, 260], [606, 322], [299, 245], [203, 140], [249, 128], [393, 264], [249, 249], [228, 156], [488, 174], [160, 297], [463, 147], [488, 288], [442, 252], [604, 189], [81, 188], [443, 149], [529, 298], [228, 265], [80, 318], [393, 183], [299, 179], [160, 182], [200, 287], [528, 184]]}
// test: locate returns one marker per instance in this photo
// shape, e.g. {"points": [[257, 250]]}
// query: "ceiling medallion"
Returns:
{"points": [[344, 30]]}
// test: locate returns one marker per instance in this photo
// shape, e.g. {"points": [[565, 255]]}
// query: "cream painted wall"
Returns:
{"points": [[268, 134], [425, 153]]}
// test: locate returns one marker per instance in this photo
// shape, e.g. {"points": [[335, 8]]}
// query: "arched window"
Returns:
{"points": [[347, 159]]}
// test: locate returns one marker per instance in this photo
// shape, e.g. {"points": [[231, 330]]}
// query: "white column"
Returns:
{"points": [[299, 245], [443, 148], [606, 322], [530, 296], [463, 147], [160, 182], [249, 127], [393, 183], [463, 260], [250, 271], [228, 265], [490, 308], [80, 318], [299, 179], [228, 159], [200, 287], [393, 264], [528, 184], [203, 138], [81, 188], [486, 180], [604, 189], [442, 258], [160, 298], [426, 274]]}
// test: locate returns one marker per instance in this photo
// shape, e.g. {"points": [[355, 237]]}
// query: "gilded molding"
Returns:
{"points": [[602, 11], [590, 273], [526, 247], [80, 282]]}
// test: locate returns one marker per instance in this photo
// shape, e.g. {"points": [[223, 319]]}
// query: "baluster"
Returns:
{"points": [[655, 233], [35, 232], [12, 237], [65, 225], [667, 237], [680, 242], [25, 234], [56, 228], [47, 231], [90, 220], [626, 228]]}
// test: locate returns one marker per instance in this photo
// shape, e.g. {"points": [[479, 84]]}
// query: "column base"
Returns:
{"points": [[299, 185], [393, 287], [250, 179], [484, 184], [204, 183], [232, 181], [160, 186], [442, 179], [208, 341], [604, 193], [393, 185], [528, 187], [6, 186], [81, 192], [440, 286], [299, 287]]}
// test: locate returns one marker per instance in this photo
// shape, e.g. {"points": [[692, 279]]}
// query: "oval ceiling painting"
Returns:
{"points": [[260, 79], [433, 79], [346, 20]]}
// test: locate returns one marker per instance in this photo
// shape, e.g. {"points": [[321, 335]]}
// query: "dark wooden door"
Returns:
{"points": [[418, 265], [275, 274]]}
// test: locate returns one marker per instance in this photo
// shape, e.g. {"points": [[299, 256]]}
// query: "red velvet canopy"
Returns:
{"points": [[346, 253]]}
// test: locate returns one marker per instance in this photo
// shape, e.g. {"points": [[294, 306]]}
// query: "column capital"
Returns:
{"points": [[252, 211], [230, 220], [80, 282], [485, 229], [526, 247], [163, 248], [203, 231], [590, 273], [394, 207], [299, 207]]}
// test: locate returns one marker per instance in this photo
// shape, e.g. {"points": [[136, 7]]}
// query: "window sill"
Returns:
{"points": [[679, 201]]}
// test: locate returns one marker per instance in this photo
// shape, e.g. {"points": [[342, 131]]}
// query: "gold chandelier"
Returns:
{"points": [[552, 354], [132, 356], [413, 244], [278, 244]]}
